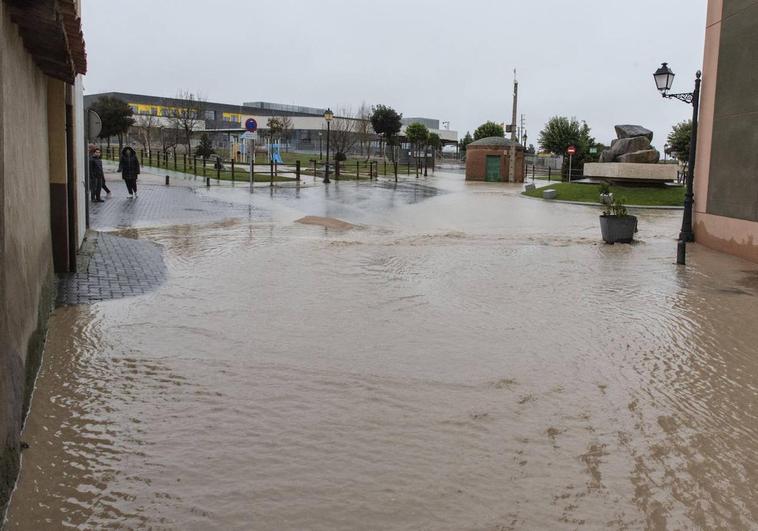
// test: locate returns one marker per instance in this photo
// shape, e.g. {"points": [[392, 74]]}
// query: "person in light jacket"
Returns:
{"points": [[128, 167]]}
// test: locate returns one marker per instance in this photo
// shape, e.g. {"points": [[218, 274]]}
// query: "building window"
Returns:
{"points": [[210, 115]]}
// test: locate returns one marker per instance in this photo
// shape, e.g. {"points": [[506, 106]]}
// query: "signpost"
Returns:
{"points": [[251, 126], [571, 150]]}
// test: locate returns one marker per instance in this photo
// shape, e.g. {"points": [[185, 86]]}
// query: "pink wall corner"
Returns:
{"points": [[707, 105], [714, 12]]}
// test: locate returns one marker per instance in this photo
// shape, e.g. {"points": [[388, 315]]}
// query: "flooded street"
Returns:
{"points": [[463, 358]]}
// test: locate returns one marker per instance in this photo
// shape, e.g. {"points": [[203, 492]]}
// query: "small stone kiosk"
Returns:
{"points": [[489, 159], [631, 158]]}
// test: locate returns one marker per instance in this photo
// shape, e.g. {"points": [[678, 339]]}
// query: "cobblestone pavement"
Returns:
{"points": [[112, 267]]}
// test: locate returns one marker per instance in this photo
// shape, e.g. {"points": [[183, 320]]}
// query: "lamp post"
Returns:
{"points": [[664, 79], [328, 116], [320, 150]]}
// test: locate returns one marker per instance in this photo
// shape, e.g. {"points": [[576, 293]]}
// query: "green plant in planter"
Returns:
{"points": [[616, 208], [606, 197], [616, 225]]}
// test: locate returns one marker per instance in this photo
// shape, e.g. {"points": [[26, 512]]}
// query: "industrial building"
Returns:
{"points": [[224, 123]]}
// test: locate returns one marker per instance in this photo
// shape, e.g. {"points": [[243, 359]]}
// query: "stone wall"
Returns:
{"points": [[26, 266]]}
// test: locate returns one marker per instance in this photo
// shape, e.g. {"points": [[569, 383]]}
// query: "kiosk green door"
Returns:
{"points": [[493, 168]]}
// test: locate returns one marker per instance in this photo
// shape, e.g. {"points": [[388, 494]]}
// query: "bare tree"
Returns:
{"points": [[286, 129], [146, 124], [275, 128], [343, 131], [188, 115], [363, 130], [169, 137]]}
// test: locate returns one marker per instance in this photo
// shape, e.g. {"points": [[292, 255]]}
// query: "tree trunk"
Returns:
{"points": [[188, 134]]}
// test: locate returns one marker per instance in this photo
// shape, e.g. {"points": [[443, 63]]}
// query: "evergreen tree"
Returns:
{"points": [[560, 132], [488, 129], [205, 147], [116, 116], [386, 122], [679, 140], [417, 134], [466, 141]]}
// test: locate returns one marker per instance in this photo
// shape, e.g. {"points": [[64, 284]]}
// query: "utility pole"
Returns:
{"points": [[512, 168]]}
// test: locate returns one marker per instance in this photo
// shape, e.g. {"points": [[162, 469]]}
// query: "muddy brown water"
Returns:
{"points": [[462, 360]]}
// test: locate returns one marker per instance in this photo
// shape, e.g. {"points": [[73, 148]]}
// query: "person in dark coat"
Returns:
{"points": [[96, 175], [128, 166]]}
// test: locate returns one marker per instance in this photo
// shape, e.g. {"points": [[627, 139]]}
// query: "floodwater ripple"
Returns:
{"points": [[405, 375]]}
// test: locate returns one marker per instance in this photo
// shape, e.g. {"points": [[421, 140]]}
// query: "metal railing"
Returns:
{"points": [[215, 167]]}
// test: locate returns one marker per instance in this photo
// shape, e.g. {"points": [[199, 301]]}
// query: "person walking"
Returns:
{"points": [[96, 177], [128, 166]]}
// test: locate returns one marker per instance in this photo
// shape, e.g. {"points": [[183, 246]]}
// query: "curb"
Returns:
{"points": [[598, 205]]}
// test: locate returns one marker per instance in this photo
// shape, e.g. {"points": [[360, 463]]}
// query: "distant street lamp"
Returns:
{"points": [[664, 79], [328, 116]]}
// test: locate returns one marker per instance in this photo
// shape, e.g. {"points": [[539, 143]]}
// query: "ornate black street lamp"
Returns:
{"points": [[328, 116], [664, 79]]}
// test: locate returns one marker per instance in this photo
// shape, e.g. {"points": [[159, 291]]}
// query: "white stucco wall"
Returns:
{"points": [[80, 147]]}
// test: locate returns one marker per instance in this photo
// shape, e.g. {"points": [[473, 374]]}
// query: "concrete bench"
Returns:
{"points": [[549, 194], [530, 187]]}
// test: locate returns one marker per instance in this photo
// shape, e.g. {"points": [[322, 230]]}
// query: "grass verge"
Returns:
{"points": [[672, 196]]}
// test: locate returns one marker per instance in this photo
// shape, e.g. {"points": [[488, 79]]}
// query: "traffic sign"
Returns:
{"points": [[94, 125], [251, 125], [249, 136], [571, 150]]}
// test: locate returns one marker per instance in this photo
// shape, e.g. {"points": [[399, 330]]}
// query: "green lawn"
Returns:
{"points": [[629, 195]]}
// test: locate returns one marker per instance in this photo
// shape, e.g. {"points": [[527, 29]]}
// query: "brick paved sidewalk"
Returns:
{"points": [[157, 204], [112, 267]]}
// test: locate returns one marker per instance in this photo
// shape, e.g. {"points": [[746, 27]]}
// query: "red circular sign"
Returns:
{"points": [[571, 150]]}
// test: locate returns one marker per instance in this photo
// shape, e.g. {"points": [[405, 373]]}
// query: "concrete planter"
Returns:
{"points": [[618, 229]]}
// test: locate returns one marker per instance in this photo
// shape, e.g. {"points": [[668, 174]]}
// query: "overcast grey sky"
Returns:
{"points": [[452, 60]]}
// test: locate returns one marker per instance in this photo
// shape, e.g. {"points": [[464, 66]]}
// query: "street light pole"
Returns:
{"points": [[328, 116], [687, 234], [320, 150], [664, 78]]}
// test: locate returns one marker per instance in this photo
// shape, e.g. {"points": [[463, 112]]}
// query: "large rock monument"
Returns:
{"points": [[632, 145], [631, 158]]}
